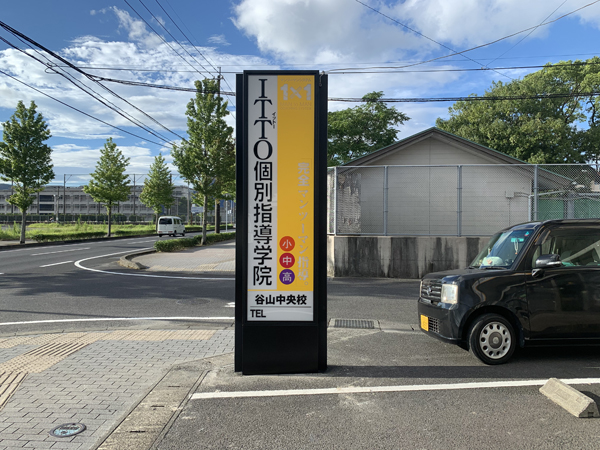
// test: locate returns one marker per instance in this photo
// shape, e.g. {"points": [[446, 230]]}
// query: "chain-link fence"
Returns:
{"points": [[460, 200]]}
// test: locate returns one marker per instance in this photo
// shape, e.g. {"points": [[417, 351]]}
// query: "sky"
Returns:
{"points": [[363, 46]]}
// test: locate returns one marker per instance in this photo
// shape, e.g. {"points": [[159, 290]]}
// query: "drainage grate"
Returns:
{"points": [[354, 323]]}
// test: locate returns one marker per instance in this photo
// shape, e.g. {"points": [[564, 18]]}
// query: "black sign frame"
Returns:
{"points": [[281, 346]]}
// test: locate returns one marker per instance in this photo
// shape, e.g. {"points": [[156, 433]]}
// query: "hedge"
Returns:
{"points": [[174, 245], [41, 237]]}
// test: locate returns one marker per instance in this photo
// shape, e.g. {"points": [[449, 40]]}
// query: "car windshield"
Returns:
{"points": [[502, 249]]}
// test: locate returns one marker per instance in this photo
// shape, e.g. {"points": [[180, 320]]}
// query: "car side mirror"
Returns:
{"points": [[548, 261]]}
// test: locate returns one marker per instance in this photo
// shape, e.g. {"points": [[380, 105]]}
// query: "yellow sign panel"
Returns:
{"points": [[295, 183]]}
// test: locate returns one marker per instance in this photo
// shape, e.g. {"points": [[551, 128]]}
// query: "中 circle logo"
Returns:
{"points": [[287, 260]]}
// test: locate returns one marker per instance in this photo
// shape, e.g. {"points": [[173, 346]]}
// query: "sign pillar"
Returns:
{"points": [[281, 280]]}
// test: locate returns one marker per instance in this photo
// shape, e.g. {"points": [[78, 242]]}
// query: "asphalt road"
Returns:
{"points": [[70, 281], [84, 281]]}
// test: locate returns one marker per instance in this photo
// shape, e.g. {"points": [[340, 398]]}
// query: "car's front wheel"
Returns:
{"points": [[492, 339]]}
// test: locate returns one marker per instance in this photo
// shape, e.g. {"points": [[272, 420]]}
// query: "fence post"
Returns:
{"points": [[535, 192], [459, 201], [385, 201], [335, 200]]}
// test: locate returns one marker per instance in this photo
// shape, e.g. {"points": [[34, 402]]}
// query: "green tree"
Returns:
{"points": [[204, 160], [354, 132], [158, 187], [536, 130], [109, 184], [24, 158]]}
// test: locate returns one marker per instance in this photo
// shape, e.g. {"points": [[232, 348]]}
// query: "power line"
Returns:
{"points": [[393, 100], [471, 98], [184, 35], [163, 39], [529, 34], [483, 45], [189, 40], [81, 112], [174, 38], [22, 37], [427, 37], [81, 86]]}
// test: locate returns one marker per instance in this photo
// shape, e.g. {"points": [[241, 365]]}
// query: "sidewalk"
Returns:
{"points": [[213, 258], [98, 378]]}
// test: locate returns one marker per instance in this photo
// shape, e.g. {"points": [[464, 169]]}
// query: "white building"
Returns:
{"points": [[55, 200]]}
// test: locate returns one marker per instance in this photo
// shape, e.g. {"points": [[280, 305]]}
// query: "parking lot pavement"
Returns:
{"points": [[390, 390]]}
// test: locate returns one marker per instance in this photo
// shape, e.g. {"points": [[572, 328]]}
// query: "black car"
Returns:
{"points": [[536, 283]]}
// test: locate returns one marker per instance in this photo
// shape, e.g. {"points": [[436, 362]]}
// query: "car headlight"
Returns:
{"points": [[449, 293]]}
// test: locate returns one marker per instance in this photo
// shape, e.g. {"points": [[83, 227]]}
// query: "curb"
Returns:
{"points": [[125, 261], [147, 422], [575, 402]]}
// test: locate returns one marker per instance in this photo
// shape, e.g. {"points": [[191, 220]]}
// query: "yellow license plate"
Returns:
{"points": [[425, 322]]}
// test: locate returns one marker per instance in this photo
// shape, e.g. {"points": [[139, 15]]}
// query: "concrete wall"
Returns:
{"points": [[398, 256]]}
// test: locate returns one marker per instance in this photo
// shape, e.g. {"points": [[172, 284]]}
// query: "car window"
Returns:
{"points": [[503, 248], [576, 246], [165, 221]]}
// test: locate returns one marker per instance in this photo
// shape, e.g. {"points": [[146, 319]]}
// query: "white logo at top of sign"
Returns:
{"points": [[296, 91]]}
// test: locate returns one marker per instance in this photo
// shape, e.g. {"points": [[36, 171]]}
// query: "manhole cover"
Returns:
{"points": [[354, 323], [67, 430]]}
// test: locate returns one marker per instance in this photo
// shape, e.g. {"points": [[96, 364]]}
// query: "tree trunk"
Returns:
{"points": [[217, 216], [109, 210], [204, 221], [23, 226]]}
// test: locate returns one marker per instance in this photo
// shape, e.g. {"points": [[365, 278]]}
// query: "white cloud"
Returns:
{"points": [[342, 30], [321, 31], [219, 40]]}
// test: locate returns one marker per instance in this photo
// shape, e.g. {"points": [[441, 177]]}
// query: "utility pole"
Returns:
{"points": [[218, 201], [134, 218], [64, 198], [189, 211]]}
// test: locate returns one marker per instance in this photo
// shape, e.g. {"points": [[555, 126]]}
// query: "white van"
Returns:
{"points": [[171, 225]]}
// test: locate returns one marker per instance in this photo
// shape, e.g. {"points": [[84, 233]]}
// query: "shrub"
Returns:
{"points": [[213, 238], [174, 245], [42, 237]]}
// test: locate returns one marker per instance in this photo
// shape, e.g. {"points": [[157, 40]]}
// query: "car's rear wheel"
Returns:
{"points": [[492, 339]]}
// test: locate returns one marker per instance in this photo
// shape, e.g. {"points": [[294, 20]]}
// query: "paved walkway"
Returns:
{"points": [[90, 378], [96, 378], [213, 258]]}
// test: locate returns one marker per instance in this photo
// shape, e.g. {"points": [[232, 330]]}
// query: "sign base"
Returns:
{"points": [[280, 349]]}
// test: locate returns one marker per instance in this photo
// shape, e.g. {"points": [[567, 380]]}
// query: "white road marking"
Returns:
{"points": [[376, 389], [78, 264], [230, 305], [57, 264], [61, 251], [36, 248], [67, 243], [116, 319]]}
